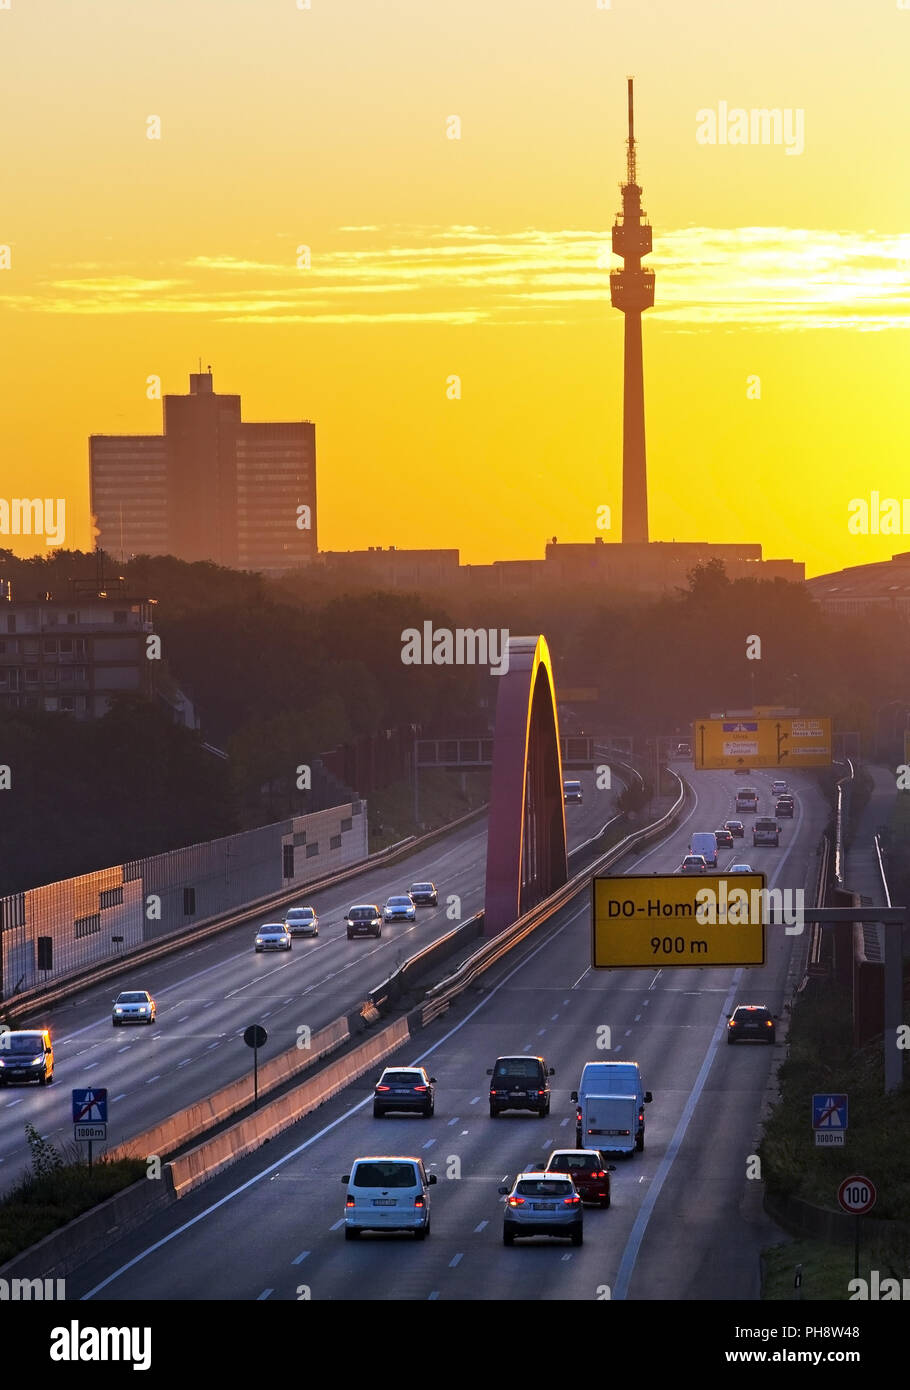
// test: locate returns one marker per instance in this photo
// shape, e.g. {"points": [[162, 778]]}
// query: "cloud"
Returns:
{"points": [[746, 277]]}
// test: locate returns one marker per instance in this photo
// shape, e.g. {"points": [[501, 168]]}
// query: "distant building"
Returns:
{"points": [[73, 655], [211, 487], [882, 587], [657, 567]]}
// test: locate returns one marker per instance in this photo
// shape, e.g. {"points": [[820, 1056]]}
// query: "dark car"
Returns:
{"points": [[363, 919], [724, 836], [26, 1056], [589, 1171], [765, 831], [520, 1083], [424, 894], [404, 1088], [784, 807], [736, 828], [751, 1021]]}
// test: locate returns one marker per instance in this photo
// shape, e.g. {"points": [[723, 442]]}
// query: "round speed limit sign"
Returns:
{"points": [[857, 1195]]}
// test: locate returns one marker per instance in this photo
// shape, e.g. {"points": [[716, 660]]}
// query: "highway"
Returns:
{"points": [[207, 994], [685, 1222]]}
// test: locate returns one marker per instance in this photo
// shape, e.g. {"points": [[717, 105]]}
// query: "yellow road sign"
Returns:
{"points": [[679, 919], [788, 741]]}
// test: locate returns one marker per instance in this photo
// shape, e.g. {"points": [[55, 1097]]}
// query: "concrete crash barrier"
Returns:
{"points": [[208, 1158], [171, 1134], [94, 1231]]}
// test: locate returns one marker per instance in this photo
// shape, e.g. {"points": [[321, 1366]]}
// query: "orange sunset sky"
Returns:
{"points": [[482, 257]]}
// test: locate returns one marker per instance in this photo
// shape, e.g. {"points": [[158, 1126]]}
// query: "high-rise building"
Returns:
{"points": [[211, 487]]}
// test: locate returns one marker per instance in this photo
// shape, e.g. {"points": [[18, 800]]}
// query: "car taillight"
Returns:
{"points": [[641, 1117], [768, 1023], [382, 1088], [541, 1093], [419, 1202], [420, 1088], [516, 1201], [571, 1201], [732, 1023], [578, 1113], [349, 1202], [600, 1174]]}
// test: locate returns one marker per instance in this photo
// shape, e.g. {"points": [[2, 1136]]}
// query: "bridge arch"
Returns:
{"points": [[526, 839]]}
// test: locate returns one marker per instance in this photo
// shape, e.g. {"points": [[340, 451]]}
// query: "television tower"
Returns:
{"points": [[632, 291]]}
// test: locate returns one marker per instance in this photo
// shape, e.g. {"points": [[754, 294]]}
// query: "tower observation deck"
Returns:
{"points": [[632, 291]]}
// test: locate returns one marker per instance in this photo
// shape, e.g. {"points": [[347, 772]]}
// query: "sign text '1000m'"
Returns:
{"points": [[670, 919]]}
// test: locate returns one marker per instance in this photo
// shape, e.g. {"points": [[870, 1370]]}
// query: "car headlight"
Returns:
{"points": [[143, 1008], [118, 1010], [36, 1061]]}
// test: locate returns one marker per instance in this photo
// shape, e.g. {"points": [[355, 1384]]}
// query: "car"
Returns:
{"points": [[302, 921], [779, 787], [740, 869], [424, 894], [400, 909], [542, 1204], [724, 836], [693, 864], [363, 919], [571, 791], [134, 1006], [683, 750], [387, 1193], [751, 1021], [589, 1171], [273, 936], [404, 1088], [26, 1055], [520, 1083], [747, 800], [736, 828], [784, 807], [765, 831]]}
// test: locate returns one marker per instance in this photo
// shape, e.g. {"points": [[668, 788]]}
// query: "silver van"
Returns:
{"points": [[387, 1194], [705, 842], [611, 1082]]}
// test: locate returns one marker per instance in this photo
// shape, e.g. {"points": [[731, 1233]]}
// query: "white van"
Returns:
{"points": [[705, 842], [387, 1194], [610, 1102]]}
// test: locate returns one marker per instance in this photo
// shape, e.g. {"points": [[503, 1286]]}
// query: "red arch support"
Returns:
{"points": [[526, 840]]}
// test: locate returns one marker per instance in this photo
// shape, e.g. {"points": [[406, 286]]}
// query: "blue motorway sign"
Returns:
{"points": [[90, 1105], [829, 1111]]}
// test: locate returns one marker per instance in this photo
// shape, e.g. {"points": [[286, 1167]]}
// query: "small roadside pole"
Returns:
{"points": [[255, 1037], [798, 1281], [856, 1195]]}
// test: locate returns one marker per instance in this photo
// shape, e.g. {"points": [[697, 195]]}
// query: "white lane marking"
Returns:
{"points": [[433, 1295], [430, 1142], [480, 1226], [185, 1063], [265, 1293], [563, 1123], [540, 1032], [88, 1066], [654, 981], [153, 1078], [211, 1045], [618, 1048], [565, 1001], [456, 1258], [300, 1258], [566, 1257], [326, 1129], [184, 1019], [475, 1100], [122, 1096], [553, 1017], [637, 1020], [122, 1049], [579, 980], [637, 1234], [628, 1033], [454, 1120], [11, 1103]]}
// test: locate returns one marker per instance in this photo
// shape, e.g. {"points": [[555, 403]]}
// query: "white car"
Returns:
{"points": [[274, 936], [779, 787], [740, 869], [302, 921], [387, 1194], [693, 864], [134, 1006]]}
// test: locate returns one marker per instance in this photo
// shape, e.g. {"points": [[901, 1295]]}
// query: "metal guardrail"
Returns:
{"points": [[440, 996], [18, 1004], [840, 822]]}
